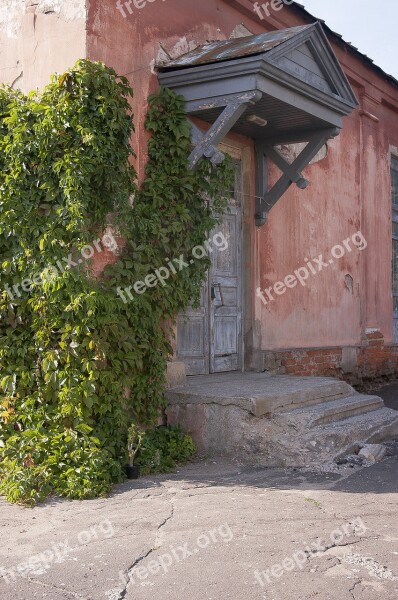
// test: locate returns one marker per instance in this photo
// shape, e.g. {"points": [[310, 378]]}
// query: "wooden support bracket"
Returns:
{"points": [[291, 172]]}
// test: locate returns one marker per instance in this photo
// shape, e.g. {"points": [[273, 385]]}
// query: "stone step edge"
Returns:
{"points": [[335, 410], [267, 404]]}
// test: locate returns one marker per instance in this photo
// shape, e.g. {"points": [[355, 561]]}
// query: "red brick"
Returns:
{"points": [[375, 335]]}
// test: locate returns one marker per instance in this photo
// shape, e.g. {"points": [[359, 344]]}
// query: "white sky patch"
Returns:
{"points": [[370, 26]]}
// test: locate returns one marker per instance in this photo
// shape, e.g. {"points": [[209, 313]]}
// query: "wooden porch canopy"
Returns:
{"points": [[276, 88]]}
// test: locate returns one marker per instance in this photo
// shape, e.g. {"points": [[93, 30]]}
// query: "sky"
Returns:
{"points": [[371, 25]]}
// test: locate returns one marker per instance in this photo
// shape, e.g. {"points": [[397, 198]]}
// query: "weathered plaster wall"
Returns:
{"points": [[311, 222], [38, 38]]}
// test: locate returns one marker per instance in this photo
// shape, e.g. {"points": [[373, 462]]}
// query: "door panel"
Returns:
{"points": [[193, 338], [225, 300]]}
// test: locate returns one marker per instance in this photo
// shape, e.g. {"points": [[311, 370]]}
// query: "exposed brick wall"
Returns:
{"points": [[373, 360], [321, 361]]}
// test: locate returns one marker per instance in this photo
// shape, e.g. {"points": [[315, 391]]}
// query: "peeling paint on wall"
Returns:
{"points": [[240, 31], [179, 49], [183, 47], [12, 11], [291, 151], [38, 38]]}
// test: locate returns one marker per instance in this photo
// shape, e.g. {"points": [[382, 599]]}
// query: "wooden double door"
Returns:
{"points": [[209, 338]]}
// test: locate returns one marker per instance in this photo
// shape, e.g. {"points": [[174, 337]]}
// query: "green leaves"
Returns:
{"points": [[64, 167], [77, 365]]}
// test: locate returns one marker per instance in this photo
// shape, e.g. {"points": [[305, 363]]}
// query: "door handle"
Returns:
{"points": [[213, 293]]}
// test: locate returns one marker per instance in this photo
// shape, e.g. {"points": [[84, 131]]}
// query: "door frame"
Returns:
{"points": [[244, 151]]}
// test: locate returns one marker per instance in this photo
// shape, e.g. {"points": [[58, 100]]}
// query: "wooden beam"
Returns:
{"points": [[192, 106], [261, 210], [302, 160], [212, 152]]}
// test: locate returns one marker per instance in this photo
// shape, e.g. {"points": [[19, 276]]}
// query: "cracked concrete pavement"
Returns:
{"points": [[212, 530]]}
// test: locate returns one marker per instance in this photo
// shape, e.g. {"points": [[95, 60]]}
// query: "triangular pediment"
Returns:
{"points": [[283, 86], [309, 57], [302, 62]]}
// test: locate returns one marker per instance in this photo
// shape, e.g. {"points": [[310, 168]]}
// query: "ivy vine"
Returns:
{"points": [[77, 364]]}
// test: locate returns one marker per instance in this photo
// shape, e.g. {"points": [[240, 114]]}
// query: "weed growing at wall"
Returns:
{"points": [[77, 364], [163, 448]]}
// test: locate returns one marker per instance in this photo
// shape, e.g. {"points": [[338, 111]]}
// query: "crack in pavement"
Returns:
{"points": [[352, 590], [374, 568], [171, 515], [339, 561], [316, 552], [158, 540], [127, 577]]}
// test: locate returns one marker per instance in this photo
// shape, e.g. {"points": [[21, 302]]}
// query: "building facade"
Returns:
{"points": [[309, 282]]}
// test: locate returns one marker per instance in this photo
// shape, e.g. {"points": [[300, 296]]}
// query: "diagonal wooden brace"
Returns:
{"points": [[212, 152], [206, 142]]}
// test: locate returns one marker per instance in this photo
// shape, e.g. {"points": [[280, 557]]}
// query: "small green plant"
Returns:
{"points": [[134, 441], [163, 448]]}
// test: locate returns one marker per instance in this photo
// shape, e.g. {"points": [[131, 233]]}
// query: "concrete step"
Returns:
{"points": [[259, 393], [270, 442], [335, 410]]}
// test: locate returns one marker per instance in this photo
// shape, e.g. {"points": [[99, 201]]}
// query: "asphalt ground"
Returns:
{"points": [[213, 530]]}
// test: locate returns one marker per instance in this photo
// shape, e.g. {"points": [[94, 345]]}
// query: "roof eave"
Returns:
{"points": [[251, 71]]}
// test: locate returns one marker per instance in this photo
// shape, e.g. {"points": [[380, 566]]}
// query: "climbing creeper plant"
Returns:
{"points": [[77, 364]]}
